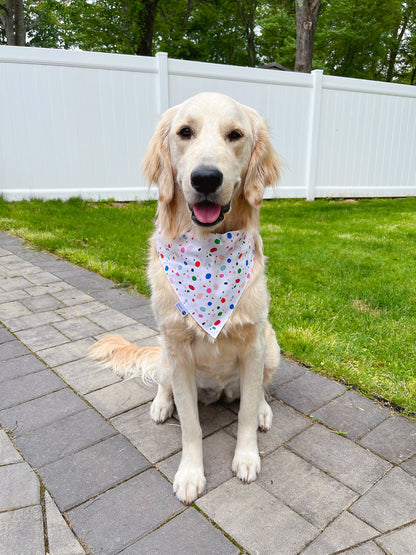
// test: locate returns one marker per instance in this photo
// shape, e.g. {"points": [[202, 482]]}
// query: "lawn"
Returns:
{"points": [[342, 276]]}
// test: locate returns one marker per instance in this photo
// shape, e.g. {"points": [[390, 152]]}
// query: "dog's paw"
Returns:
{"points": [[246, 465], [265, 416], [189, 483], [161, 409]]}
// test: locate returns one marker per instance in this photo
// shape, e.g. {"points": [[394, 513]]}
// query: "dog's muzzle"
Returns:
{"points": [[206, 181]]}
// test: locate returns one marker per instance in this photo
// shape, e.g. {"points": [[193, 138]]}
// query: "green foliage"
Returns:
{"points": [[342, 275], [354, 38]]}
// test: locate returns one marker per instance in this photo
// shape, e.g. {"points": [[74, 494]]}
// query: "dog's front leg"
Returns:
{"points": [[189, 480], [246, 462]]}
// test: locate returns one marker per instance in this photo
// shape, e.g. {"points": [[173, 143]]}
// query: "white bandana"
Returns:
{"points": [[208, 275]]}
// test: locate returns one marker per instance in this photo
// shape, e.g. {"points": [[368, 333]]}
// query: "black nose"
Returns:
{"points": [[206, 179]]}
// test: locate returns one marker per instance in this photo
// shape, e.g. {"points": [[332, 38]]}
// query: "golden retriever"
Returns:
{"points": [[211, 159]]}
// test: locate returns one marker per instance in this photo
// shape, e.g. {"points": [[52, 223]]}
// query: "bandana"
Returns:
{"points": [[208, 275]]}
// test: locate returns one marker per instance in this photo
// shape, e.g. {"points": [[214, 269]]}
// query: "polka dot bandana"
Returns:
{"points": [[208, 275]]}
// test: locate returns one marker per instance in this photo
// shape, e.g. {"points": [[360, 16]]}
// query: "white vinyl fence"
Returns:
{"points": [[77, 124]]}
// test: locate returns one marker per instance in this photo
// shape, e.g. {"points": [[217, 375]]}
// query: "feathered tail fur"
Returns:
{"points": [[128, 360]]}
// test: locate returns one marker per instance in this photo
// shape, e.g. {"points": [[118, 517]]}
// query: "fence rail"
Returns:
{"points": [[77, 123]]}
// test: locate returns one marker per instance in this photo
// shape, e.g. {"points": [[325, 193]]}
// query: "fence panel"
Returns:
{"points": [[78, 123]]}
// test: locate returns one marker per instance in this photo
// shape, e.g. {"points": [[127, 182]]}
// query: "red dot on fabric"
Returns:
{"points": [[213, 249], [217, 323], [197, 264], [223, 300], [191, 287], [237, 281]]}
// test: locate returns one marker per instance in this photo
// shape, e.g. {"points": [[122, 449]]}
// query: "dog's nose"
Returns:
{"points": [[206, 179]]}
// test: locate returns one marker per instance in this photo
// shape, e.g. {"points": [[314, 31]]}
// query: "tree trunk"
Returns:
{"points": [[14, 23], [307, 12], [19, 23], [144, 48]]}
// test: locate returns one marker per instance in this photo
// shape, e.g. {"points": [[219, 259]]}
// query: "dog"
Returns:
{"points": [[211, 158]]}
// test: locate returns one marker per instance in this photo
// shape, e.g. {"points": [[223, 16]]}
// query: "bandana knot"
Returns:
{"points": [[208, 275]]}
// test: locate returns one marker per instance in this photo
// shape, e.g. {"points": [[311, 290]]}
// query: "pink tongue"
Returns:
{"points": [[207, 212]]}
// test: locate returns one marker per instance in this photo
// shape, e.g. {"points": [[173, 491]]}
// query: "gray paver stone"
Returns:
{"points": [[346, 531], [120, 397], [155, 441], [410, 465], [72, 296], [133, 333], [13, 309], [390, 503], [400, 542], [286, 372], [5, 335], [81, 309], [19, 486], [78, 328], [8, 454], [340, 457], [286, 424], [309, 392], [40, 412], [124, 514], [394, 439], [85, 375], [186, 534], [40, 278], [66, 353], [13, 283], [267, 527], [32, 321], [21, 532], [368, 548], [42, 303], [28, 387], [11, 350], [352, 414], [306, 489], [111, 319], [64, 437], [41, 337], [20, 366], [61, 540], [78, 477]]}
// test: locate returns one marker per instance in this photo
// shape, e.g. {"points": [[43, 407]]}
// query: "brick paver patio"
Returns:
{"points": [[83, 469]]}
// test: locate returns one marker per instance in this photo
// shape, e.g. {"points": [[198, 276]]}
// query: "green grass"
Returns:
{"points": [[342, 276]]}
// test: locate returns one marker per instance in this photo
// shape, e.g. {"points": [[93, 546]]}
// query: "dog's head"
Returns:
{"points": [[206, 153]]}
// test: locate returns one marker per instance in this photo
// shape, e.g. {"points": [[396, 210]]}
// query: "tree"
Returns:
{"points": [[12, 19], [307, 12]]}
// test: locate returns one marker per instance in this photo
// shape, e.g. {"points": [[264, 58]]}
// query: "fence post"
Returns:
{"points": [[313, 134], [162, 86]]}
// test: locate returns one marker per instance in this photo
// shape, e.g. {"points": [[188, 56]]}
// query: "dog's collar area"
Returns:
{"points": [[209, 274], [207, 214]]}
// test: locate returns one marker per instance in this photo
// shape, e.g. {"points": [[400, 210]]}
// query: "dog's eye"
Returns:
{"points": [[234, 135], [185, 132]]}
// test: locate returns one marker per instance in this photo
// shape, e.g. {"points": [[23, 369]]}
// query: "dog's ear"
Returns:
{"points": [[156, 162], [264, 166]]}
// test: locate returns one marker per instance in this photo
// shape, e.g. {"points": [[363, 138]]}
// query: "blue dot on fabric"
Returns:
{"points": [[210, 303], [208, 276], [166, 268], [228, 260], [229, 235], [202, 309], [231, 306], [246, 262], [223, 267]]}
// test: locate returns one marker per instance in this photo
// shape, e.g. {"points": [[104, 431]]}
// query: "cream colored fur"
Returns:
{"points": [[189, 363]]}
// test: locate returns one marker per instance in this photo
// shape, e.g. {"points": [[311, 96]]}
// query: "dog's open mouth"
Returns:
{"points": [[208, 213]]}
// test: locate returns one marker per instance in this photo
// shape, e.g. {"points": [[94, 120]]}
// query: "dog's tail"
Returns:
{"points": [[128, 360]]}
